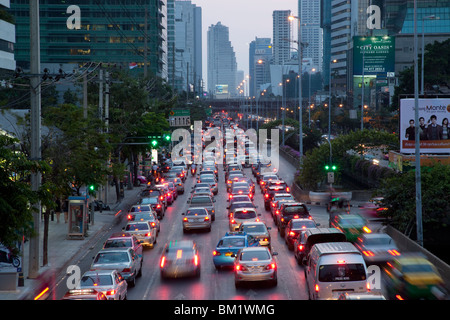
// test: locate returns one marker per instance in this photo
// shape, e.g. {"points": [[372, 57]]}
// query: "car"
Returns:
{"points": [[240, 204], [240, 190], [270, 192], [353, 225], [239, 215], [306, 240], [168, 199], [84, 294], [377, 248], [259, 230], [206, 190], [295, 227], [196, 218], [141, 180], [279, 196], [255, 264], [240, 183], [203, 201], [212, 182], [288, 211], [139, 208], [123, 240], [143, 231], [172, 188], [178, 184], [265, 178], [150, 217], [157, 205], [239, 198], [180, 258], [411, 277], [262, 169], [228, 246], [274, 183], [126, 261], [201, 185], [109, 282]]}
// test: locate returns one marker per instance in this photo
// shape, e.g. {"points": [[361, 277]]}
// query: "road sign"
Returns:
{"points": [[180, 121], [330, 177]]}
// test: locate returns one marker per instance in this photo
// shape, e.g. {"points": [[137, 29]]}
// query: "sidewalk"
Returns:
{"points": [[61, 250]]}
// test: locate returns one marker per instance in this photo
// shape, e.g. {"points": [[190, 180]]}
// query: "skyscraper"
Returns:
{"points": [[312, 34], [222, 65], [260, 57], [7, 38], [281, 36], [185, 45]]}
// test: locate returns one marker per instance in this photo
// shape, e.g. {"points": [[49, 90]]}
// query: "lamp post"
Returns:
{"points": [[432, 17], [419, 225], [329, 101], [300, 58]]}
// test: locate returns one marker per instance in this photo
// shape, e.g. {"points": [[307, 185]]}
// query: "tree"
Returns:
{"points": [[16, 196]]}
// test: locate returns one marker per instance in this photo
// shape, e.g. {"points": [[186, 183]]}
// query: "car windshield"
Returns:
{"points": [[196, 212], [413, 268], [291, 210], [254, 228], [254, 255], [240, 190], [140, 208], [289, 197], [245, 214], [200, 200], [303, 224], [342, 272], [96, 280], [136, 226], [269, 177], [208, 180], [143, 217], [231, 242], [152, 200], [118, 243], [112, 257]]}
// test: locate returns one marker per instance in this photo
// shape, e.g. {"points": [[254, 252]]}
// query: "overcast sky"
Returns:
{"points": [[246, 20]]}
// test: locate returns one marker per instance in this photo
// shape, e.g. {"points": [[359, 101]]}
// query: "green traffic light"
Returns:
{"points": [[154, 143], [167, 137], [327, 167], [333, 168], [91, 187]]}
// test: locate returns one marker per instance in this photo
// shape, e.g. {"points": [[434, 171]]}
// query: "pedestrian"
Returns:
{"points": [[58, 209]]}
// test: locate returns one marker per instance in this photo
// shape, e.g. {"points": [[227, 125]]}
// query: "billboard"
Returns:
{"points": [[222, 89], [378, 54], [434, 115]]}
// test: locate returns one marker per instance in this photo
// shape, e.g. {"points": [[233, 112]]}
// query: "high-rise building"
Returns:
{"points": [[110, 32], [260, 58], [185, 45], [281, 36], [222, 65], [311, 31], [7, 38]]}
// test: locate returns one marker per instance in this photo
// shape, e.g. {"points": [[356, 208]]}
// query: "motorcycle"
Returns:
{"points": [[193, 171]]}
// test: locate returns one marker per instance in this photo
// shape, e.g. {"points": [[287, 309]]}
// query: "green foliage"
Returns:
{"points": [[16, 196], [399, 194], [312, 171]]}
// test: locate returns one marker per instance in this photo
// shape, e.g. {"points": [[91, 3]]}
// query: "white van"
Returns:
{"points": [[334, 268]]}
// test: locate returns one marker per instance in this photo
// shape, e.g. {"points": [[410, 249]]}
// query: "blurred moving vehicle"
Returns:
{"points": [[84, 294], [109, 282], [180, 258], [353, 225], [412, 277], [255, 264], [377, 248]]}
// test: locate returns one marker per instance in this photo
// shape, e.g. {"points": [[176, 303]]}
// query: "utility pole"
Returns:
{"points": [[100, 112], [85, 97], [107, 125], [35, 100], [146, 43]]}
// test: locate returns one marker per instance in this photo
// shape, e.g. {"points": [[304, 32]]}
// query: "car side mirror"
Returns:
{"points": [[182, 213], [274, 253], [259, 214], [189, 201], [269, 228], [317, 224]]}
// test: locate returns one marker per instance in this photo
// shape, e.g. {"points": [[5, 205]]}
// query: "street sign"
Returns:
{"points": [[330, 177], [180, 121]]}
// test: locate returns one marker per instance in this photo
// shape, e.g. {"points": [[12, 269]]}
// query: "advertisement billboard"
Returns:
{"points": [[376, 54], [434, 115]]}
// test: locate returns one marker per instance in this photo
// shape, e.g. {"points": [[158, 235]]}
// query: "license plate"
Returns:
{"points": [[228, 254]]}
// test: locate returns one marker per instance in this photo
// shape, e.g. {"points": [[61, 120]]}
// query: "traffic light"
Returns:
{"points": [[154, 143], [330, 167]]}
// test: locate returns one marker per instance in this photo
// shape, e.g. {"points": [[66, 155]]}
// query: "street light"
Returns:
{"points": [[329, 100], [432, 17], [300, 58]]}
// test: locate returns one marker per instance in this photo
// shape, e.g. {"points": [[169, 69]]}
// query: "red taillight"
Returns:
{"points": [[273, 205], [287, 189], [196, 260], [292, 233], [206, 218], [367, 230], [368, 253], [148, 234], [317, 288], [233, 221], [163, 261], [394, 252], [153, 224], [129, 217], [250, 195], [277, 212], [216, 253], [266, 195], [300, 247], [230, 196], [126, 270], [185, 219], [229, 182], [158, 206], [240, 268], [110, 292]]}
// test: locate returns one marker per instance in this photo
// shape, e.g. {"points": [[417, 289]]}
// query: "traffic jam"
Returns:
{"points": [[335, 258]]}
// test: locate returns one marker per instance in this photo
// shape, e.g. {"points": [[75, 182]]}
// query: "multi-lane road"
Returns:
{"points": [[213, 284]]}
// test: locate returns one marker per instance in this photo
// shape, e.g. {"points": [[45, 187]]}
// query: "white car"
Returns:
{"points": [[143, 231], [255, 264], [241, 215], [109, 282]]}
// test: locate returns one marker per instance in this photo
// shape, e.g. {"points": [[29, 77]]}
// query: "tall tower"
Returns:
{"points": [[281, 36], [222, 65], [312, 34]]}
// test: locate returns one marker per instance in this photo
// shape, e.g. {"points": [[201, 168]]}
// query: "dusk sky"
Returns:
{"points": [[246, 20]]}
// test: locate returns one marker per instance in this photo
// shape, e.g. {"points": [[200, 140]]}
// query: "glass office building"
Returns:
{"points": [[112, 31]]}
